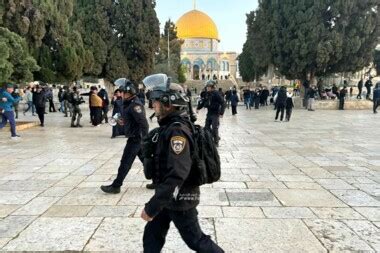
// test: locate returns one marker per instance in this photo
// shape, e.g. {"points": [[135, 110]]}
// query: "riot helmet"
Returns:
{"points": [[211, 84], [125, 85], [161, 89]]}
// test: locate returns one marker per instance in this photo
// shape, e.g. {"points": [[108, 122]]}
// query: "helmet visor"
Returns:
{"points": [[120, 82], [156, 82], [154, 95]]}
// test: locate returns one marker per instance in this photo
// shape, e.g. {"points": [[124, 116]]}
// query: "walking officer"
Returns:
{"points": [[76, 100], [135, 127], [176, 196], [214, 103]]}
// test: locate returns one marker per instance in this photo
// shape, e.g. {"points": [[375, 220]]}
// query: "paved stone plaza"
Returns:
{"points": [[311, 185]]}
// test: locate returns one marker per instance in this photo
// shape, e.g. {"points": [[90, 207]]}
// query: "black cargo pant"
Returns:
{"points": [[341, 104], [188, 226], [212, 124], [51, 105], [359, 94], [105, 113], [96, 116], [131, 150], [376, 103], [41, 114], [288, 113], [280, 108], [368, 93]]}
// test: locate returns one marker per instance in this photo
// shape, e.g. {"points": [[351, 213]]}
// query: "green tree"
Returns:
{"points": [[255, 58], [309, 38], [44, 24], [16, 64], [246, 65], [181, 74], [161, 59], [376, 61], [120, 36], [138, 32], [92, 18]]}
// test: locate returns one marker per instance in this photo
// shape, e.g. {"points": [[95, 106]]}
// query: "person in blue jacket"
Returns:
{"points": [[6, 108]]}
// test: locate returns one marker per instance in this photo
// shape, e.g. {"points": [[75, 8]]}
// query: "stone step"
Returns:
{"points": [[349, 104], [23, 125]]}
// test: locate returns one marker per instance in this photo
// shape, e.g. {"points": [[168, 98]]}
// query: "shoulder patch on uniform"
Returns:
{"points": [[138, 109], [178, 144]]}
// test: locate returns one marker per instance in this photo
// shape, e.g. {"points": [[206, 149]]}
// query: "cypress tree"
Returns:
{"points": [[138, 31], [161, 58], [45, 26], [376, 61], [318, 37], [16, 64], [255, 57], [120, 36], [92, 18]]}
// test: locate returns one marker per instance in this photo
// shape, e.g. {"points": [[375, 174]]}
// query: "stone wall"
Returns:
{"points": [[334, 104], [224, 84]]}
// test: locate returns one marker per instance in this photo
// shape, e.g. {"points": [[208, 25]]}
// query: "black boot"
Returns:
{"points": [[151, 186], [110, 189]]}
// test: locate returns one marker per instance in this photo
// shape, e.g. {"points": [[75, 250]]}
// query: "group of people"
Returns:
{"points": [[169, 148], [311, 92], [251, 97], [283, 101], [368, 85], [213, 100], [10, 97], [71, 99], [166, 153], [255, 97]]}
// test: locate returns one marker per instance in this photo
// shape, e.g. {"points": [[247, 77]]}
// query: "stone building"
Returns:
{"points": [[200, 54]]}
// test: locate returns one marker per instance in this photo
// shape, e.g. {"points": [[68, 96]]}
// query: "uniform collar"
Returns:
{"points": [[129, 100], [172, 117]]}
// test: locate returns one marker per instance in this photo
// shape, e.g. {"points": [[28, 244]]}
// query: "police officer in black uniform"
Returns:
{"points": [[176, 197], [214, 103], [136, 127], [76, 100]]}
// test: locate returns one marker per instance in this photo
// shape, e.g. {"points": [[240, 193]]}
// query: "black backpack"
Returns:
{"points": [[205, 168], [206, 161]]}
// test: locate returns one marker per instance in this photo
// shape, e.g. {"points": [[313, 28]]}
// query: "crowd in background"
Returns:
{"points": [[40, 96]]}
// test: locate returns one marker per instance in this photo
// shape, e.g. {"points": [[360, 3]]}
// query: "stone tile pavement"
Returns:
{"points": [[310, 185]]}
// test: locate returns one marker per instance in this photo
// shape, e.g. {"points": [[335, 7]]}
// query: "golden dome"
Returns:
{"points": [[196, 24]]}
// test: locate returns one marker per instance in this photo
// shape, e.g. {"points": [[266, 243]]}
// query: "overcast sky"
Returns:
{"points": [[229, 16]]}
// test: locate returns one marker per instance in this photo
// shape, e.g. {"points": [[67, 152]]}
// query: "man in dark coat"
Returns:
{"points": [[280, 101], [176, 196], [368, 86], [39, 100]]}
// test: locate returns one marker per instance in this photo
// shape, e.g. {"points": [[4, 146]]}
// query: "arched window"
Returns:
{"points": [[199, 62], [212, 64], [186, 62]]}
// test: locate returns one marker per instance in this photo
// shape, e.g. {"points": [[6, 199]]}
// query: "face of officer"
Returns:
{"points": [[127, 95], [160, 110], [209, 88]]}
